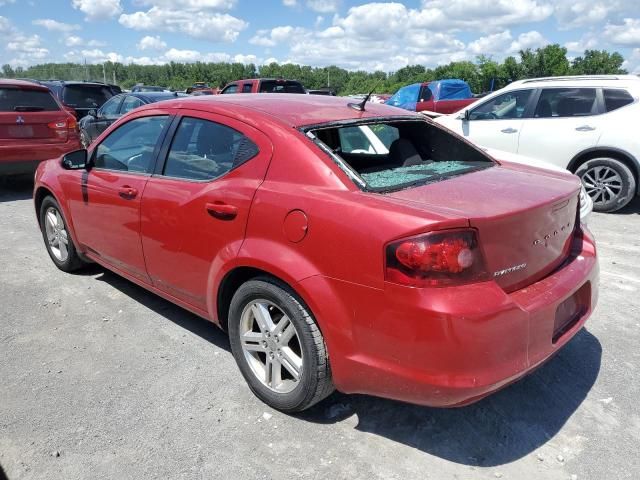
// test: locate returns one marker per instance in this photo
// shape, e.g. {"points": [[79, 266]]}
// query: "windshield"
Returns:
{"points": [[391, 155], [86, 96]]}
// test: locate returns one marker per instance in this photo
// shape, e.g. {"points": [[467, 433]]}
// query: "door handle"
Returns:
{"points": [[509, 130], [127, 192], [222, 211], [585, 128]]}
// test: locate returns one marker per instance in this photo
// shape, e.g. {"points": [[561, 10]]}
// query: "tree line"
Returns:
{"points": [[483, 75]]}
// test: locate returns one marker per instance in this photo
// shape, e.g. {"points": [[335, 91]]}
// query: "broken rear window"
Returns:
{"points": [[392, 155]]}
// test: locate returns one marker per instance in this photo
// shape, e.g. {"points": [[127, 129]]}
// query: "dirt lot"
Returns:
{"points": [[102, 380]]}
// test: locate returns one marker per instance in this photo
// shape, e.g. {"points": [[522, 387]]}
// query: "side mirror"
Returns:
{"points": [[464, 115], [75, 160], [93, 112]]}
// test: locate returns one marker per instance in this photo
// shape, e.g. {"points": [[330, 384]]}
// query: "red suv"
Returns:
{"points": [[371, 251], [34, 126]]}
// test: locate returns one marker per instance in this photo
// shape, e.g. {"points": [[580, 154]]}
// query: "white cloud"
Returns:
{"points": [[632, 64], [580, 13], [627, 34], [190, 4], [217, 27], [6, 28], [324, 6], [28, 48], [98, 9], [532, 39], [73, 41], [151, 43], [587, 42], [276, 36], [489, 44], [55, 26], [289, 3]]}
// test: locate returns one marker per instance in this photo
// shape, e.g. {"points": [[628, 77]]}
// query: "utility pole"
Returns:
{"points": [[86, 72], [104, 74], [328, 81]]}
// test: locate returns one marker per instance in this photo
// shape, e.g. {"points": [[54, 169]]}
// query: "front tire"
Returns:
{"points": [[278, 346], [56, 236], [609, 182]]}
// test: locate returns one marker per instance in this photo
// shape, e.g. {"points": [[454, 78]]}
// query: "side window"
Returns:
{"points": [[130, 147], [110, 108], [231, 89], [616, 98], [129, 103], [566, 102], [204, 150], [506, 106], [425, 94], [369, 139], [246, 88]]}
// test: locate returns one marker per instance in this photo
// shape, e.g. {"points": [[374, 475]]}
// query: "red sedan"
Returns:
{"points": [[369, 251], [34, 126]]}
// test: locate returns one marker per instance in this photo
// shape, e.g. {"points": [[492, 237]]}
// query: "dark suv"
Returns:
{"points": [[82, 96]]}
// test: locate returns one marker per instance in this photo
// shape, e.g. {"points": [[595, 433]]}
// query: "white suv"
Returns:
{"points": [[584, 124]]}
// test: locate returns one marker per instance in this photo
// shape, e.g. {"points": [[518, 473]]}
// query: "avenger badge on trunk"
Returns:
{"points": [[20, 120], [515, 268]]}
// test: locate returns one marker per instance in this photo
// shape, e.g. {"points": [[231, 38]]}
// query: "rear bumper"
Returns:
{"points": [[452, 346], [24, 158]]}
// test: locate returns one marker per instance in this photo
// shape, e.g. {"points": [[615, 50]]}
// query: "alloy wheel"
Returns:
{"points": [[602, 184], [57, 236], [271, 346]]}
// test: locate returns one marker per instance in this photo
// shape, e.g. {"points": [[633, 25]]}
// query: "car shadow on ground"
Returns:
{"points": [[633, 208], [502, 428], [16, 188]]}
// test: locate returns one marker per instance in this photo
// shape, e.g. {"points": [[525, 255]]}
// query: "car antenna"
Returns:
{"points": [[360, 106]]}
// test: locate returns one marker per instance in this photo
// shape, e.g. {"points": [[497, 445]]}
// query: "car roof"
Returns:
{"points": [[152, 96], [22, 84], [292, 109], [583, 80]]}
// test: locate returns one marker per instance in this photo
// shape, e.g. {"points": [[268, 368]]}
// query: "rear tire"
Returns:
{"points": [[609, 182], [57, 239], [278, 346]]}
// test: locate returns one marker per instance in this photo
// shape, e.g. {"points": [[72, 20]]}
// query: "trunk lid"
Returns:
{"points": [[525, 217]]}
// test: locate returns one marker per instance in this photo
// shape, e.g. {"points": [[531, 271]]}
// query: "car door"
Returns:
{"points": [[497, 122], [107, 114], [105, 200], [195, 206], [565, 122]]}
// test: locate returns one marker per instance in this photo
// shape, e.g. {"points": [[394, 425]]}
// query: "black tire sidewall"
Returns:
{"points": [[628, 182], [301, 395]]}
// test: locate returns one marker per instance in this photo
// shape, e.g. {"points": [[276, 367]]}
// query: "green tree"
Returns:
{"points": [[598, 62]]}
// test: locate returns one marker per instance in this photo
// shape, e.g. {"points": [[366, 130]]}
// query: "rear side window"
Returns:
{"points": [[130, 147], [111, 107], [281, 86], [566, 102], [616, 98], [204, 150], [246, 88], [388, 156], [26, 100], [86, 96]]}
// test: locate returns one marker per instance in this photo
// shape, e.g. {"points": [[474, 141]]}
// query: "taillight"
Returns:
{"points": [[436, 259], [62, 128]]}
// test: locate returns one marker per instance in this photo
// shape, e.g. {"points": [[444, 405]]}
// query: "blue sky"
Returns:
{"points": [[348, 33]]}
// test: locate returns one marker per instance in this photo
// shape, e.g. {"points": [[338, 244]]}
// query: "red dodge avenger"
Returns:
{"points": [[365, 250]]}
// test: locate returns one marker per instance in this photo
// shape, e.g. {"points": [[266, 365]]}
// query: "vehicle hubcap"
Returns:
{"points": [[602, 183], [57, 236], [271, 346]]}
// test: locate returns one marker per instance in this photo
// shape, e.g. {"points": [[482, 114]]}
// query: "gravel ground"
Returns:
{"points": [[102, 380]]}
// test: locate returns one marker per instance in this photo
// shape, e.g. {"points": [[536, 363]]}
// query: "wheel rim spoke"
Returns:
{"points": [[292, 362], [263, 317], [252, 342]]}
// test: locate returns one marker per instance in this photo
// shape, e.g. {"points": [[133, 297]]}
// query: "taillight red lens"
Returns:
{"points": [[436, 259]]}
